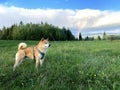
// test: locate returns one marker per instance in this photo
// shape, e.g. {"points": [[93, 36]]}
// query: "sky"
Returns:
{"points": [[89, 17]]}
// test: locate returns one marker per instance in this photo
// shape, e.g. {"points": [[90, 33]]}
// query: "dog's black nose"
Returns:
{"points": [[49, 45]]}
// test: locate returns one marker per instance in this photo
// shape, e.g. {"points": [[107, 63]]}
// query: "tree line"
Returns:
{"points": [[32, 31], [102, 37]]}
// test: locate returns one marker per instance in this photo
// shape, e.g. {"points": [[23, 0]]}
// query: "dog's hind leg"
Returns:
{"points": [[18, 60]]}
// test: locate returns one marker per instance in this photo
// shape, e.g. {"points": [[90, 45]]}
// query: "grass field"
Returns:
{"points": [[69, 65]]}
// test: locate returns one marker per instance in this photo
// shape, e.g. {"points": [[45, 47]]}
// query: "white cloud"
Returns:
{"points": [[85, 19]]}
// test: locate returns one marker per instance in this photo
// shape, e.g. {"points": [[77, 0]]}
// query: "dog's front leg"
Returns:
{"points": [[41, 61], [37, 63]]}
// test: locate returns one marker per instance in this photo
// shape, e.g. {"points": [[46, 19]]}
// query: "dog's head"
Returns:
{"points": [[45, 43]]}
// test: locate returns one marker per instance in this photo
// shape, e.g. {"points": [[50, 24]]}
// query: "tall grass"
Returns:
{"points": [[69, 65]]}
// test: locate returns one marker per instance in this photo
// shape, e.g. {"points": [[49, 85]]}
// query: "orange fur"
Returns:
{"points": [[31, 52]]}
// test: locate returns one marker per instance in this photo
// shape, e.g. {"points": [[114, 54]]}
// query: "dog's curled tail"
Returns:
{"points": [[22, 46]]}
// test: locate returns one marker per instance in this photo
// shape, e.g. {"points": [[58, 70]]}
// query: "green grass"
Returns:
{"points": [[69, 65]]}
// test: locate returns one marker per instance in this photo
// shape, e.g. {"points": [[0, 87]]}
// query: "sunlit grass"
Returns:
{"points": [[69, 65]]}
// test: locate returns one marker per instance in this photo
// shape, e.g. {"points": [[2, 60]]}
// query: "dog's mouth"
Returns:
{"points": [[47, 45]]}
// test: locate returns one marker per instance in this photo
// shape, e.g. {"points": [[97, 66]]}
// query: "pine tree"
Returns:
{"points": [[104, 36], [80, 36], [99, 38]]}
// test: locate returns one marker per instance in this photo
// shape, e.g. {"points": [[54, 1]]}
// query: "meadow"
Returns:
{"points": [[69, 65]]}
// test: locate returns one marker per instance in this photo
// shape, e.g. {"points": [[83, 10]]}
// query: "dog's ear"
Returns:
{"points": [[47, 38], [42, 39]]}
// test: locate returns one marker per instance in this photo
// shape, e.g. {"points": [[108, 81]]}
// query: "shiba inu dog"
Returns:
{"points": [[38, 52]]}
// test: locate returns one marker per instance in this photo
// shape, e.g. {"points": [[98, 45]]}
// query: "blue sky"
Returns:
{"points": [[87, 16], [65, 4]]}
